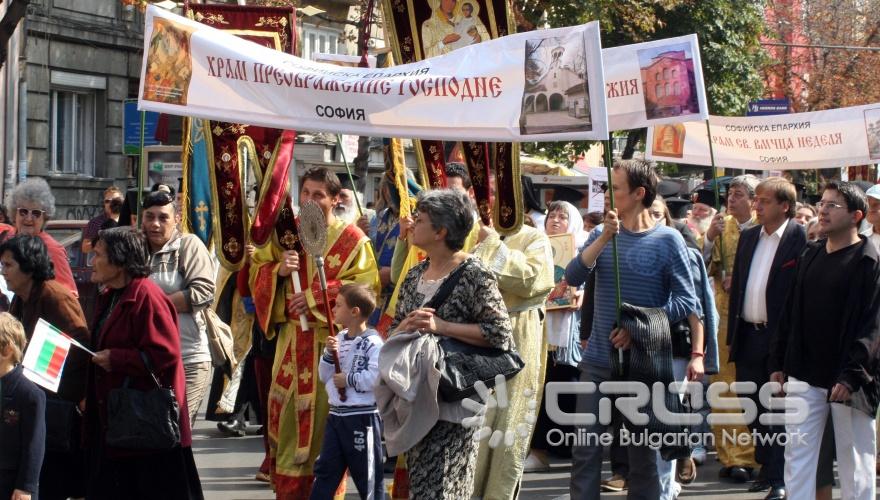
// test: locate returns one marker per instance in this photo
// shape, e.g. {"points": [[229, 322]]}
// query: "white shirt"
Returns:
{"points": [[755, 302]]}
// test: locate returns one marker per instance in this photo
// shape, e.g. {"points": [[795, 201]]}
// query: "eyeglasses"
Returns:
{"points": [[107, 202], [35, 213], [830, 204]]}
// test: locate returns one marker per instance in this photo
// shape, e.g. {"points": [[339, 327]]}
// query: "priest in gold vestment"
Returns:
{"points": [[297, 401], [523, 265]]}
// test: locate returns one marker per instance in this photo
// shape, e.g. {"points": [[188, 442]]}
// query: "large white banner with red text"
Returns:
{"points": [[655, 82], [821, 139], [538, 86]]}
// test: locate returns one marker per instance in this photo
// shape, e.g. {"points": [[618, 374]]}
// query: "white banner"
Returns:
{"points": [[538, 86], [822, 139], [655, 82]]}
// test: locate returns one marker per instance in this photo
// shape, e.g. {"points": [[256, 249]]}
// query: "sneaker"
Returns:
{"points": [[699, 455], [535, 464], [615, 483], [686, 470]]}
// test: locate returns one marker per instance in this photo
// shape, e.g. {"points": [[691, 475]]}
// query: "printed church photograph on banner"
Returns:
{"points": [[872, 129], [670, 87], [556, 96]]}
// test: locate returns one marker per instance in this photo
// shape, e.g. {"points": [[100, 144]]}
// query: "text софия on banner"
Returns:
{"points": [[478, 92]]}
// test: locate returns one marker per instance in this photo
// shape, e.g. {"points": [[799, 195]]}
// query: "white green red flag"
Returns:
{"points": [[45, 355]]}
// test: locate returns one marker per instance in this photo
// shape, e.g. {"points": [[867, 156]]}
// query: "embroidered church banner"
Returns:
{"points": [[233, 149], [478, 92], [822, 139]]}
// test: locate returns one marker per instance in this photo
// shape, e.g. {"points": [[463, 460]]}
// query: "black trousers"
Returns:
{"points": [[352, 442], [751, 366]]}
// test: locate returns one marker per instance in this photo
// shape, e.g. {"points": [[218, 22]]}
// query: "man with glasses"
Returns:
{"points": [[827, 340], [113, 199], [763, 271]]}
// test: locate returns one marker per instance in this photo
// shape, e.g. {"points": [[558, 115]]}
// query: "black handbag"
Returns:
{"points": [[62, 425], [465, 364], [143, 420]]}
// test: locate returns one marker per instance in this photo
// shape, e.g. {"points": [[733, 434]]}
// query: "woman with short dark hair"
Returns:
{"points": [[134, 319], [29, 273], [182, 267], [441, 464]]}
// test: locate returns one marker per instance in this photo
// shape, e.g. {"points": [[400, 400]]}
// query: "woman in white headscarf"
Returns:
{"points": [[562, 328]]}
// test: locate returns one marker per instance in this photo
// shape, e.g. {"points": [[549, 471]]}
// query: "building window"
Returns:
{"points": [[676, 88], [657, 77], [320, 41], [667, 90], [674, 73], [658, 90], [666, 73], [73, 132]]}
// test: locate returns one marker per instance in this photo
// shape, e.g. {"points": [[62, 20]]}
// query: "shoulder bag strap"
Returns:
{"points": [[149, 367], [446, 288]]}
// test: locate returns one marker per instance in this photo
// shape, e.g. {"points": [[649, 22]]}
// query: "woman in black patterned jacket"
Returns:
{"points": [[442, 464]]}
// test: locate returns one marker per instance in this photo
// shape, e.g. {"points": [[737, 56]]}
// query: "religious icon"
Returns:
{"points": [[668, 140], [562, 295], [169, 63], [453, 24]]}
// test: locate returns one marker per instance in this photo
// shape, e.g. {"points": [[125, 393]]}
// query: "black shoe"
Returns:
{"points": [[759, 485], [776, 493], [233, 428], [740, 474]]}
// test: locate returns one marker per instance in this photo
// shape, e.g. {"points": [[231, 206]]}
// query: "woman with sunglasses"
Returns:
{"points": [[32, 204]]}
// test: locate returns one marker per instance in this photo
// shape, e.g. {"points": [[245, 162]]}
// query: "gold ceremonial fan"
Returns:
{"points": [[313, 235], [313, 229]]}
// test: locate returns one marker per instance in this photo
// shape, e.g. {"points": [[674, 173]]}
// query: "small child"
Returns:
{"points": [[22, 418], [353, 435], [465, 27]]}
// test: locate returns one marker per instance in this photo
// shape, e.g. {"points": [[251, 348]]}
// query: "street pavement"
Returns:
{"points": [[227, 467]]}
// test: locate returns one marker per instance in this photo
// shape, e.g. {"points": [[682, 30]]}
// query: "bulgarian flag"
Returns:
{"points": [[46, 354]]}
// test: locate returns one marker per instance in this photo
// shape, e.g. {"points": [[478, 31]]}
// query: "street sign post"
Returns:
{"points": [[766, 107], [131, 128]]}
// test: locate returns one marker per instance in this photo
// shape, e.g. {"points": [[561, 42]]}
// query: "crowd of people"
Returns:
{"points": [[769, 291]]}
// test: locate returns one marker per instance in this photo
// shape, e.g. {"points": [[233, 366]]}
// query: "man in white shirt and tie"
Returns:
{"points": [[763, 273]]}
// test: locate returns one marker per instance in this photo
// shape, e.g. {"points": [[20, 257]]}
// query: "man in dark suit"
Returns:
{"points": [[763, 272]]}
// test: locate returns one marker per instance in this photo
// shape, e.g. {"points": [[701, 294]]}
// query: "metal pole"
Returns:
{"points": [[142, 170], [350, 177], [614, 248], [717, 200]]}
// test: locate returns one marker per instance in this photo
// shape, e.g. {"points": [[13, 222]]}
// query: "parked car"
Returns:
{"points": [[69, 233]]}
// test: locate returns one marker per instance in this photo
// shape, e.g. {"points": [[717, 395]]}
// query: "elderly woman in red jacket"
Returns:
{"points": [[32, 205], [134, 316]]}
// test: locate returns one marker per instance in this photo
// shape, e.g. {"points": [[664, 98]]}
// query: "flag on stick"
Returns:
{"points": [[46, 354]]}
